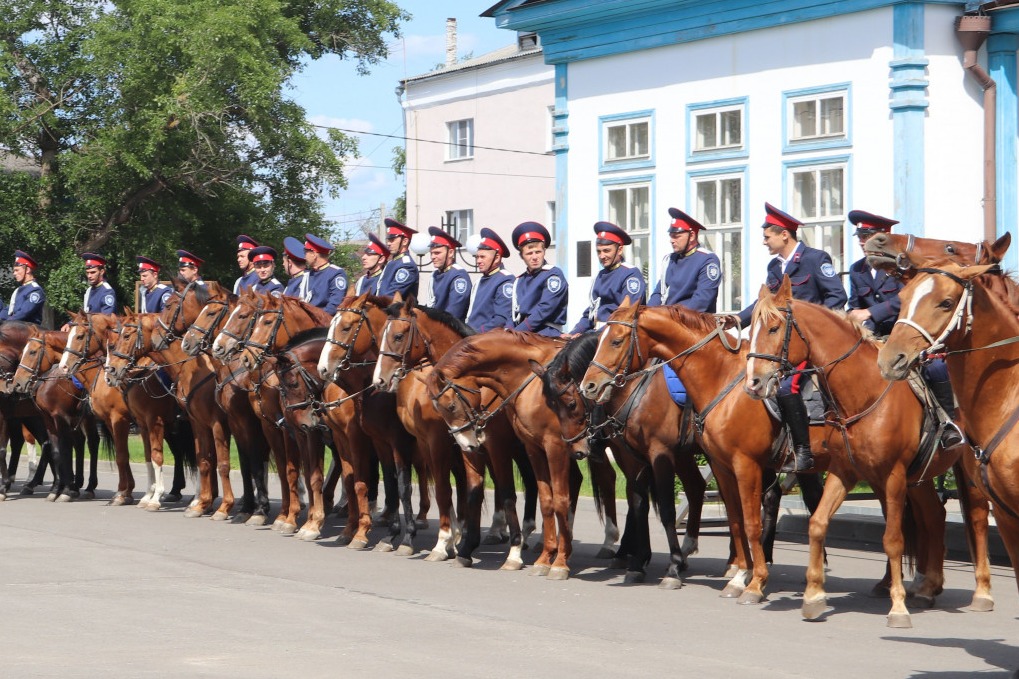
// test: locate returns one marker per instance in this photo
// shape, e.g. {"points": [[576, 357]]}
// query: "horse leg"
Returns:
{"points": [[559, 463], [748, 479], [205, 450], [695, 487], [603, 487], [440, 457], [406, 528], [975, 511], [526, 469], [363, 462], [286, 470], [46, 460], [770, 501], [119, 429], [391, 507], [929, 531], [474, 485], [424, 498], [637, 532], [729, 490], [245, 456], [498, 452], [92, 441], [181, 441], [150, 496], [835, 490], [332, 480], [895, 494], [313, 454], [221, 435]]}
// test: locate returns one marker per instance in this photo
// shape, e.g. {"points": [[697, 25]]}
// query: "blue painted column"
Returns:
{"points": [[908, 104], [561, 147], [1001, 63]]}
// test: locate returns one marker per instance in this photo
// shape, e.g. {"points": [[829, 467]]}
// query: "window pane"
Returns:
{"points": [[640, 253], [804, 119], [805, 194], [831, 116], [831, 192], [616, 142], [707, 203], [732, 201], [732, 128], [706, 133], [617, 206], [641, 213], [639, 139]]}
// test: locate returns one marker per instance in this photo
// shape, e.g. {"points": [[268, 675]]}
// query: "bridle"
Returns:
{"points": [[348, 347], [169, 332], [621, 373], [964, 307], [478, 419], [240, 339], [84, 355], [205, 334], [403, 356], [132, 358], [279, 323], [36, 370]]}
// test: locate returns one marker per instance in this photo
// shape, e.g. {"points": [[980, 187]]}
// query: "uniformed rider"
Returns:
{"points": [[187, 267], [541, 293], [400, 273], [263, 258], [152, 295], [248, 277], [325, 284], [295, 265], [615, 282], [28, 298], [100, 297], [373, 259], [492, 297], [690, 275], [451, 286], [814, 279]]}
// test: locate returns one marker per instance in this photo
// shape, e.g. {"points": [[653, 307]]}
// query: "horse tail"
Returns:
{"points": [[910, 534], [106, 446], [181, 440], [599, 501]]}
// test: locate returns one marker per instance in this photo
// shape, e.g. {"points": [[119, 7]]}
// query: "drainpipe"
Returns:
{"points": [[972, 31]]}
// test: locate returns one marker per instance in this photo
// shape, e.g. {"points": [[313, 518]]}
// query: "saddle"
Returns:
{"points": [[813, 398]]}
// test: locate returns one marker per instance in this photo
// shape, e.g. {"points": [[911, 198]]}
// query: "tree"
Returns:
{"points": [[162, 124], [399, 168]]}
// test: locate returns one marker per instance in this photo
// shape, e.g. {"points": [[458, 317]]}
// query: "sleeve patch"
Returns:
{"points": [[108, 300], [340, 282], [713, 272], [827, 270], [35, 298], [402, 275], [633, 285], [554, 284], [507, 290], [460, 286]]}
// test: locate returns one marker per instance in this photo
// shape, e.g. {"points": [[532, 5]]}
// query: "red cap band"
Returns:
{"points": [[188, 260], [530, 235], [441, 240], [394, 231], [22, 260], [308, 245], [92, 262], [775, 221], [145, 266], [377, 249], [489, 243], [263, 257], [608, 235], [246, 246]]}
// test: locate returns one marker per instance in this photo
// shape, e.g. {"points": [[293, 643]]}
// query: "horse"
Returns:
{"points": [[413, 339], [498, 361], [145, 401], [954, 311], [736, 432], [17, 410], [882, 425], [194, 387]]}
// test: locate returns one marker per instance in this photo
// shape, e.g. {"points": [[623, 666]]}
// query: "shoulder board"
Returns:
{"points": [[624, 265], [106, 285], [275, 281], [33, 284], [406, 258]]}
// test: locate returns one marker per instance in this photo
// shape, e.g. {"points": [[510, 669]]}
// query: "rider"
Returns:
{"points": [[325, 284], [295, 265], [28, 298], [187, 267], [615, 282], [814, 279], [541, 293], [874, 302], [690, 274], [100, 297], [451, 286], [263, 258], [492, 298], [400, 273], [152, 295], [373, 259], [248, 276]]}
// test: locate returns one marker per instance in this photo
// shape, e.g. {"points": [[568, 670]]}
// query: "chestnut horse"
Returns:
{"points": [[883, 436], [18, 409], [414, 338], [735, 431], [952, 310]]}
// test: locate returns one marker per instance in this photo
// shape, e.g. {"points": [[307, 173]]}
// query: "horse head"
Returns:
{"points": [[774, 346], [935, 303], [892, 251], [203, 329], [459, 405], [402, 345], [561, 389], [133, 342], [238, 326], [31, 367], [353, 335], [619, 353]]}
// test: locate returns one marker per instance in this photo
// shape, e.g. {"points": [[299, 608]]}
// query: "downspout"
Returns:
{"points": [[972, 31]]}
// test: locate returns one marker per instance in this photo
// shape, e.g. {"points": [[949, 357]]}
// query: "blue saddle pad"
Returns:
{"points": [[76, 382], [164, 379], [676, 389]]}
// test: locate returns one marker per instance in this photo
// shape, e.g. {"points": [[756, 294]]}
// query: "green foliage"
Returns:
{"points": [[161, 125], [399, 168]]}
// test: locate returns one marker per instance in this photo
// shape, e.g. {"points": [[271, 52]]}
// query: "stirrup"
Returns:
{"points": [[950, 435], [791, 466]]}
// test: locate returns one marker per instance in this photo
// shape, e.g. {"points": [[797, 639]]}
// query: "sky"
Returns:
{"points": [[334, 95]]}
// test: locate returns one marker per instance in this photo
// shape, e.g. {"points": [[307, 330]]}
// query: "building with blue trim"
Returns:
{"points": [[717, 106]]}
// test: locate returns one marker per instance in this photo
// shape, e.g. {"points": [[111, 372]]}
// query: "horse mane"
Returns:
{"points": [[576, 357], [375, 300], [440, 316], [306, 336], [694, 320], [459, 361], [12, 330], [1004, 286]]}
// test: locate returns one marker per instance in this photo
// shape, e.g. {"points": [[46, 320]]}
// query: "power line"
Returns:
{"points": [[429, 141], [492, 174]]}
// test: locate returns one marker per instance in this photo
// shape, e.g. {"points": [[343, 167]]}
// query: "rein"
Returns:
{"points": [[345, 363], [169, 332], [205, 338], [413, 332]]}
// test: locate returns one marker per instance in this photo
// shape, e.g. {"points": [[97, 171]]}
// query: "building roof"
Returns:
{"points": [[501, 55], [14, 163]]}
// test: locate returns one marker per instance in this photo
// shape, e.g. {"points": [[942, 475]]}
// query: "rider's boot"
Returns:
{"points": [[951, 435], [794, 414]]}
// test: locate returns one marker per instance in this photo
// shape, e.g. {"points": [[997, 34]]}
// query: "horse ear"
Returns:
{"points": [[626, 302], [974, 271], [764, 293], [397, 297], [998, 249], [536, 368], [360, 301], [411, 300], [785, 291]]}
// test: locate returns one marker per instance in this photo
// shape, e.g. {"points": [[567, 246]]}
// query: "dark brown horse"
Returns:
{"points": [[954, 311], [883, 434], [17, 409]]}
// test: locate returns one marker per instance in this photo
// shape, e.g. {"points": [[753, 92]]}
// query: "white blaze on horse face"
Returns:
{"points": [[220, 347], [326, 357], [925, 288], [383, 347], [65, 358], [753, 350]]}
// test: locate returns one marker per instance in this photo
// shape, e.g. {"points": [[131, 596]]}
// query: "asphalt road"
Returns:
{"points": [[92, 590]]}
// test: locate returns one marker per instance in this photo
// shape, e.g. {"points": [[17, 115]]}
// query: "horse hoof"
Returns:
{"points": [[541, 569], [731, 571], [343, 540], [421, 523], [511, 565], [881, 591], [731, 591], [152, 507], [27, 490], [288, 528], [748, 598], [495, 539], [220, 516], [88, 495], [605, 553], [256, 520], [463, 561], [670, 583], [383, 547], [51, 497], [982, 604], [118, 501], [170, 498], [900, 620], [276, 525], [437, 555], [618, 563], [357, 544], [634, 577], [3, 497], [405, 550], [922, 601], [812, 610], [241, 517], [309, 535], [192, 513], [65, 497], [559, 573]]}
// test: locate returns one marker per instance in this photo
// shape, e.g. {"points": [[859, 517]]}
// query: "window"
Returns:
{"points": [[717, 130], [719, 207], [817, 118], [584, 259], [818, 200], [629, 206], [627, 141], [461, 139], [550, 220], [460, 224]]}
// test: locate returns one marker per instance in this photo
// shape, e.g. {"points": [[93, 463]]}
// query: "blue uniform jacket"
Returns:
{"points": [[26, 304], [368, 284], [492, 301], [102, 299], [245, 282], [539, 301], [270, 287], [879, 294], [153, 301], [691, 280], [399, 275], [325, 288], [451, 291], [813, 277], [293, 286], [609, 289]]}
